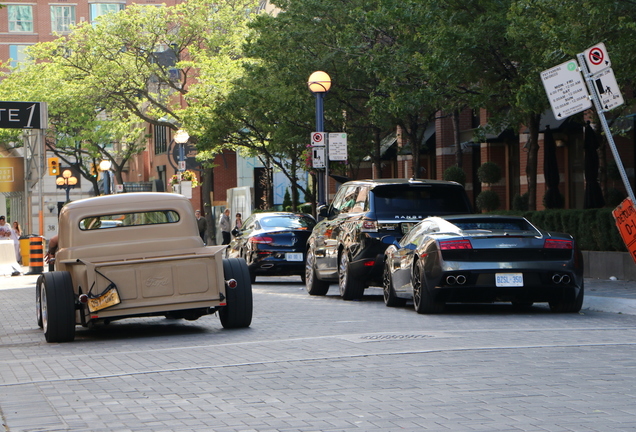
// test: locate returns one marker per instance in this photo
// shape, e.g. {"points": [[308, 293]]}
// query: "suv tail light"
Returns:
{"points": [[455, 244], [261, 240], [558, 244], [369, 226]]}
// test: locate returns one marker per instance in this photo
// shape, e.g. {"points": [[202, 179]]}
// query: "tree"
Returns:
{"points": [[159, 65], [80, 134]]}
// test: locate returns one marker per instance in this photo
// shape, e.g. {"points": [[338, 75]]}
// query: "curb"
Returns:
{"points": [[610, 304]]}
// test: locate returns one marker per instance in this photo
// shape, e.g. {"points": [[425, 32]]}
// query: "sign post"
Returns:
{"points": [[593, 55]]}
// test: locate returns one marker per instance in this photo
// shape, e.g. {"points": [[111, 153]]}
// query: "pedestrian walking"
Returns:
{"points": [[224, 225], [16, 233], [202, 224]]}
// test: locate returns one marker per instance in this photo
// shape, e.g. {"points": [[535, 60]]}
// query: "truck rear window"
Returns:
{"points": [[129, 219]]}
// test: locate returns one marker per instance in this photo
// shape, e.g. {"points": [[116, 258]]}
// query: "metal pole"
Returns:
{"points": [[601, 114], [106, 183], [320, 127]]}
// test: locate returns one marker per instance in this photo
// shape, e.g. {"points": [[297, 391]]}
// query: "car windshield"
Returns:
{"points": [[493, 225], [419, 201], [300, 222]]}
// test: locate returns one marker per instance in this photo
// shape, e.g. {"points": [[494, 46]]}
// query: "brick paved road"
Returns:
{"points": [[323, 364]]}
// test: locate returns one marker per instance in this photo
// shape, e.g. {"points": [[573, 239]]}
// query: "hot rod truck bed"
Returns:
{"points": [[137, 254]]}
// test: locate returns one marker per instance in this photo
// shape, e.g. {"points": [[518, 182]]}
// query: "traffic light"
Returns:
{"points": [[54, 166]]}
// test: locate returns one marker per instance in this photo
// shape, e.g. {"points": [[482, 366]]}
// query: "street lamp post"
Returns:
{"points": [[181, 137], [319, 83], [66, 182], [104, 167]]}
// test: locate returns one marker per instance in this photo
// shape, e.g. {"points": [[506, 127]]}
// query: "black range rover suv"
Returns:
{"points": [[346, 245]]}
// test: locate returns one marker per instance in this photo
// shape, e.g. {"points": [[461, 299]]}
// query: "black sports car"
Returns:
{"points": [[273, 243], [482, 258]]}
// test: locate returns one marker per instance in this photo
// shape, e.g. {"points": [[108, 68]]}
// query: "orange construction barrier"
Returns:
{"points": [[36, 255]]}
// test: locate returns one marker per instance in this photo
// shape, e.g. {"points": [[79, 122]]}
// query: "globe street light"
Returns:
{"points": [[104, 167], [181, 137], [66, 182], [319, 83]]}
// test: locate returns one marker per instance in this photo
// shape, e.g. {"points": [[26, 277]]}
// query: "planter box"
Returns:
{"points": [[603, 265]]}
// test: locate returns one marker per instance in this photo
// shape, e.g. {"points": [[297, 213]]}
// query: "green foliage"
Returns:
{"points": [[614, 197], [487, 201], [489, 172], [520, 202], [287, 202], [456, 174]]}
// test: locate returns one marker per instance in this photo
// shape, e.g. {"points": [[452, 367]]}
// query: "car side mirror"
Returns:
{"points": [[323, 211]]}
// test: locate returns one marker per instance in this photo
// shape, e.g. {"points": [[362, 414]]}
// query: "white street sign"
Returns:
{"points": [[597, 58], [318, 156], [338, 146], [566, 89], [318, 150], [607, 89], [317, 138]]}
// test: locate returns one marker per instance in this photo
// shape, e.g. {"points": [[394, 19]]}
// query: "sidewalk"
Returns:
{"points": [[600, 295]]}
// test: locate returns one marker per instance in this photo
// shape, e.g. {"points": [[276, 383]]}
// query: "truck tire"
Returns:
{"points": [[57, 306], [38, 300], [238, 311]]}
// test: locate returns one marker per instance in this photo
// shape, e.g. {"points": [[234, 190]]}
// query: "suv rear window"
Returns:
{"points": [[419, 200]]}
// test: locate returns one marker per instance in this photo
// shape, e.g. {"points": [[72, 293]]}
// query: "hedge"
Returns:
{"points": [[593, 229]]}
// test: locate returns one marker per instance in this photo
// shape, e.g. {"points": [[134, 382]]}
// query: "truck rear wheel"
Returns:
{"points": [[238, 311], [56, 306]]}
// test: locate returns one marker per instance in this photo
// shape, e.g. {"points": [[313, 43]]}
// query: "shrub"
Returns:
{"points": [[489, 172], [456, 174], [287, 202], [614, 197], [520, 202], [487, 201]]}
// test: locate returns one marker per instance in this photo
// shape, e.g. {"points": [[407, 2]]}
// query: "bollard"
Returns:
{"points": [[25, 245], [36, 255]]}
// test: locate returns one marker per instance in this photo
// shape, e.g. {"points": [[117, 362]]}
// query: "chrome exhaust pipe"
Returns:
{"points": [[565, 279], [461, 279], [450, 280], [557, 278]]}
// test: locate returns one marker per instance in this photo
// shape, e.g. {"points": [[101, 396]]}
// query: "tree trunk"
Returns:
{"points": [[294, 185], [459, 154], [534, 121]]}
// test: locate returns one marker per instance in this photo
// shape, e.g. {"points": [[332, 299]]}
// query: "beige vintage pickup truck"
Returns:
{"points": [[137, 255]]}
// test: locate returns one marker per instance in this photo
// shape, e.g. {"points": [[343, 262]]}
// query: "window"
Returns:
{"points": [[99, 9], [62, 18], [20, 18], [129, 219], [161, 143], [18, 54]]}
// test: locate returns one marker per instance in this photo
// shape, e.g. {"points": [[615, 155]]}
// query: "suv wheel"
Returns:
{"points": [[350, 287], [313, 285]]}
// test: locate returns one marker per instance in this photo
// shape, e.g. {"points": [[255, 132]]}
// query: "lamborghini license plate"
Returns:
{"points": [[509, 279]]}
